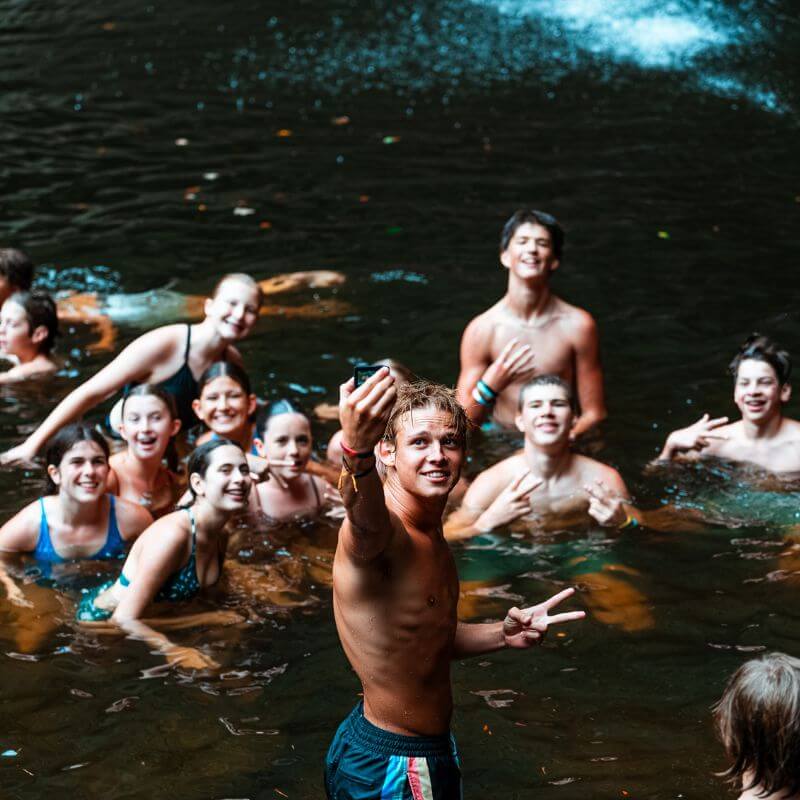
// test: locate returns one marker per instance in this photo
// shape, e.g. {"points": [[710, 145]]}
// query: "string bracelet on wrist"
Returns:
{"points": [[349, 472]]}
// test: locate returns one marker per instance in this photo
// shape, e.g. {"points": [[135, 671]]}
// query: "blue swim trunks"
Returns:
{"points": [[368, 763]]}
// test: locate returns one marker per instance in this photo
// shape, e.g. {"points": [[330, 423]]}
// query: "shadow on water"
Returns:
{"points": [[390, 142]]}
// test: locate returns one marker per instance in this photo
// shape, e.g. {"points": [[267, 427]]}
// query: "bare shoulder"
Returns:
{"points": [[170, 533], [592, 470], [575, 321], [489, 483], [132, 518], [21, 532], [483, 324], [791, 430]]}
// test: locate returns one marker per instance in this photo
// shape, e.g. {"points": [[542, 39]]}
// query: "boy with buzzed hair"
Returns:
{"points": [[763, 436], [546, 482], [530, 331]]}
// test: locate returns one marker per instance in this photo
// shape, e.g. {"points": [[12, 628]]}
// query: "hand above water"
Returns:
{"points": [[525, 627], [515, 363], [365, 410], [695, 437], [605, 506], [511, 504]]}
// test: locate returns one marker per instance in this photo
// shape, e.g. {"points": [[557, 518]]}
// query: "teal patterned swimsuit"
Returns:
{"points": [[181, 585]]}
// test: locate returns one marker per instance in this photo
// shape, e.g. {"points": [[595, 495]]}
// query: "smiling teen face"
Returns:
{"points": [[234, 309], [757, 393], [427, 454], [546, 418], [82, 473], [529, 254], [287, 437], [225, 407], [147, 426], [226, 483]]}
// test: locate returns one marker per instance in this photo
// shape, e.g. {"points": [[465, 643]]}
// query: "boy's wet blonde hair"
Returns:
{"points": [[426, 394]]}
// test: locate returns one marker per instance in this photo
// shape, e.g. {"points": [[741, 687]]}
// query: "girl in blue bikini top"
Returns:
{"points": [[181, 553], [76, 518]]}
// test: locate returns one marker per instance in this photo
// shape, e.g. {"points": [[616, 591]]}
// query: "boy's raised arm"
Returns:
{"points": [[363, 412]]}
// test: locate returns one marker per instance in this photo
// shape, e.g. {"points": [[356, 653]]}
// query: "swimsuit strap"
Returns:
{"points": [[188, 343], [316, 492], [114, 542], [44, 550], [193, 527]]}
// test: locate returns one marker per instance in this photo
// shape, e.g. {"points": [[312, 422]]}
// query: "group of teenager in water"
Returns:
{"points": [[393, 473]]}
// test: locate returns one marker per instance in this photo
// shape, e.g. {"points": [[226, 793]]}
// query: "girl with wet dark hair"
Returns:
{"points": [[284, 439], [180, 554], [76, 518], [28, 328], [149, 424], [758, 722], [225, 404]]}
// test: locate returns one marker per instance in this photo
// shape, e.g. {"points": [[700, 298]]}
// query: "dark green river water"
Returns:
{"points": [[134, 141]]}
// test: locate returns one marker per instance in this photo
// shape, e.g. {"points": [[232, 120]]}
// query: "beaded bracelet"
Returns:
{"points": [[630, 522]]}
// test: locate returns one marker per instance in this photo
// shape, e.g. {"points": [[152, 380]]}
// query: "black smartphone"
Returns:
{"points": [[363, 372]]}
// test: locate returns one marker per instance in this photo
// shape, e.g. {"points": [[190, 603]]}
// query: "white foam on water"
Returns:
{"points": [[646, 33], [650, 35]]}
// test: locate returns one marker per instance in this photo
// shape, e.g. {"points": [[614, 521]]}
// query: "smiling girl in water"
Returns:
{"points": [[225, 404], [285, 439], [28, 328], [77, 518], [179, 554], [137, 473], [170, 357]]}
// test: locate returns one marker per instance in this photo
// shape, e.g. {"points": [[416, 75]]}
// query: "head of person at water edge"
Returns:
{"points": [[16, 272], [546, 411], [28, 324], [758, 721], [226, 402], [149, 421], [761, 372], [76, 460], [284, 434], [234, 305], [219, 475], [531, 244], [424, 446]]}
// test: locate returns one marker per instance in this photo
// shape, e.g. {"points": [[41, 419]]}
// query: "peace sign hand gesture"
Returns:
{"points": [[606, 507], [525, 627], [696, 437], [512, 503]]}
